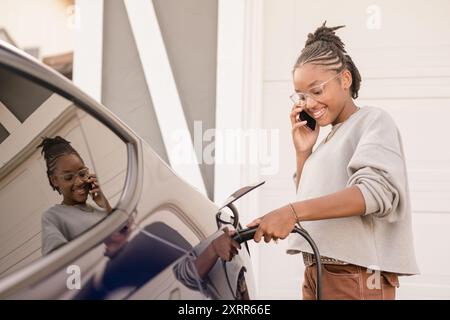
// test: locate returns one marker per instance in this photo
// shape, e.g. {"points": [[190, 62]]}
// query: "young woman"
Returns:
{"points": [[352, 190], [69, 176]]}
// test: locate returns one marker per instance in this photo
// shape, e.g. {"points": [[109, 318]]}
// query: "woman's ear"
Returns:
{"points": [[346, 79], [54, 182]]}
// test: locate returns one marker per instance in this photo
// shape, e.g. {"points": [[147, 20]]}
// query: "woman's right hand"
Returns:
{"points": [[302, 136]]}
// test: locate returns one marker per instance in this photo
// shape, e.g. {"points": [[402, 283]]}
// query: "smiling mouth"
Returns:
{"points": [[80, 191], [319, 113]]}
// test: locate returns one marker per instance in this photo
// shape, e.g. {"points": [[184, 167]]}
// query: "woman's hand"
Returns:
{"points": [[97, 194], [302, 136], [118, 239], [224, 246], [275, 225]]}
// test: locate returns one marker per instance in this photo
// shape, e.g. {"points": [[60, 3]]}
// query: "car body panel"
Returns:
{"points": [[160, 224]]}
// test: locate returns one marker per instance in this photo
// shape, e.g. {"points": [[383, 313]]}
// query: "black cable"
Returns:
{"points": [[224, 265], [313, 245], [248, 234]]}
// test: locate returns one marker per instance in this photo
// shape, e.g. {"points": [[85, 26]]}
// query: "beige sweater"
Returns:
{"points": [[366, 151]]}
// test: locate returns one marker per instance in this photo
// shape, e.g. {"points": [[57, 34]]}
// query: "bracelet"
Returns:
{"points": [[294, 213]]}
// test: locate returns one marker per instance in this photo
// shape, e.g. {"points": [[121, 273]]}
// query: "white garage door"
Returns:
{"points": [[402, 49]]}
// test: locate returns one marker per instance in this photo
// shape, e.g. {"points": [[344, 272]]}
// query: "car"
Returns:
{"points": [[153, 242]]}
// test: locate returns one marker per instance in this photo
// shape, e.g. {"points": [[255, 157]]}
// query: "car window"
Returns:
{"points": [[158, 257], [61, 171], [140, 259], [166, 257]]}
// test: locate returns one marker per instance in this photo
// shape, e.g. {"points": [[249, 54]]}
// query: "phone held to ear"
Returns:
{"points": [[91, 187], [304, 116]]}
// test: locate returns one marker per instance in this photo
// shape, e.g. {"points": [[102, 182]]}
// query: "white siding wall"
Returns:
{"points": [[405, 71], [47, 24]]}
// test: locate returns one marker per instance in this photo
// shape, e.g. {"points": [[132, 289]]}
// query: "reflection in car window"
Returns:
{"points": [[69, 176], [35, 218], [138, 261], [214, 268], [3, 133], [12, 97]]}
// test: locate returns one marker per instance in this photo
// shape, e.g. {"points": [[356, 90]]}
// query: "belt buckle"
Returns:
{"points": [[308, 259]]}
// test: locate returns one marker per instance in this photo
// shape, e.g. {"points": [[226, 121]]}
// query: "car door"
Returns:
{"points": [[36, 102], [144, 245]]}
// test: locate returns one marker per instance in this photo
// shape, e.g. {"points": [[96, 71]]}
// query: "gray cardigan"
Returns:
{"points": [[61, 224], [365, 151]]}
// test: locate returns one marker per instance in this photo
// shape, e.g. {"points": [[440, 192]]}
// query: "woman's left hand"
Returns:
{"points": [[97, 194], [275, 225]]}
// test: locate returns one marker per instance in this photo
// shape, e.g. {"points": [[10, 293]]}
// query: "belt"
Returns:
{"points": [[310, 259]]}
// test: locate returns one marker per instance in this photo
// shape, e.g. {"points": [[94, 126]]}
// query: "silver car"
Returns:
{"points": [[155, 236]]}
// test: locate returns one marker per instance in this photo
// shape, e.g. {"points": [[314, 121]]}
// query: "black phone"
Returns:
{"points": [[304, 116]]}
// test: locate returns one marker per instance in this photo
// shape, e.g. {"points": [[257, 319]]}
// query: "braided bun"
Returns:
{"points": [[324, 33], [323, 47]]}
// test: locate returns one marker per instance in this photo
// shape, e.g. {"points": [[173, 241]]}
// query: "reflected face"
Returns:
{"points": [[327, 89], [70, 176]]}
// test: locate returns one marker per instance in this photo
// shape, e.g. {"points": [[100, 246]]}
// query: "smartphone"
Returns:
{"points": [[304, 116]]}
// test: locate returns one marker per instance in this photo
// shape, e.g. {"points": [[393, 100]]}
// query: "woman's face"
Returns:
{"points": [[327, 86], [70, 175]]}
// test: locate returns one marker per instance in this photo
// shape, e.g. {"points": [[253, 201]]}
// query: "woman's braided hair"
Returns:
{"points": [[324, 47], [52, 149]]}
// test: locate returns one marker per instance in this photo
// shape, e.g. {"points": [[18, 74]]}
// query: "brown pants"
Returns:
{"points": [[350, 282]]}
